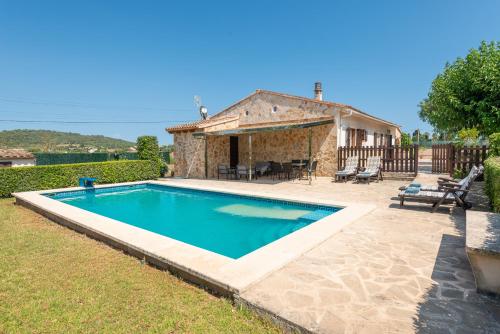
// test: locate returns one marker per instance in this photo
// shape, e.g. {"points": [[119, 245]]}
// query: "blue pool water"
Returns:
{"points": [[230, 225]]}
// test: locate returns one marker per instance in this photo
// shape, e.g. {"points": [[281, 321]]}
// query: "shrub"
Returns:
{"points": [[16, 179], [147, 148], [492, 181], [494, 140], [405, 139]]}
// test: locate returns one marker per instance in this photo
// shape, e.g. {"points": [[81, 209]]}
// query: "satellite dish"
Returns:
{"points": [[201, 108]]}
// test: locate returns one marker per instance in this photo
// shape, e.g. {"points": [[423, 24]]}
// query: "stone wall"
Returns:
{"points": [[284, 146], [280, 146], [189, 149], [265, 108]]}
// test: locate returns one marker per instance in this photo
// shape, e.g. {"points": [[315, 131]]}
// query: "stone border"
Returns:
{"points": [[219, 273]]}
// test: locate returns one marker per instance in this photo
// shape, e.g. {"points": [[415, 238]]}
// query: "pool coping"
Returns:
{"points": [[219, 273]]}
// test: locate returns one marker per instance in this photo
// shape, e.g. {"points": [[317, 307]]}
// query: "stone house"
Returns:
{"points": [[270, 126], [16, 158]]}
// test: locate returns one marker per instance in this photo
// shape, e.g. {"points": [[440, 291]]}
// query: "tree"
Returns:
{"points": [[405, 139], [148, 149], [467, 94], [468, 136]]}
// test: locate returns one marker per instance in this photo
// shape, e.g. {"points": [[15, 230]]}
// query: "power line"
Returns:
{"points": [[84, 105], [89, 122]]}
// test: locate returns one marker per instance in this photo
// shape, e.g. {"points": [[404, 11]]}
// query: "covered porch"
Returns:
{"points": [[279, 142]]}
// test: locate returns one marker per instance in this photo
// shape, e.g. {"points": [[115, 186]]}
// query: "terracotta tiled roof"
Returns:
{"points": [[15, 154], [187, 126]]}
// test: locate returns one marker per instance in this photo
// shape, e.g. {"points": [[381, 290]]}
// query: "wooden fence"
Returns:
{"points": [[446, 158], [395, 159]]}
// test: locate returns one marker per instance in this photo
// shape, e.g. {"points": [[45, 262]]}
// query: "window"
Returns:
{"points": [[246, 112], [275, 109]]}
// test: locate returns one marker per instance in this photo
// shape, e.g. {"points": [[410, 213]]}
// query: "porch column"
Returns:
{"points": [[250, 157]]}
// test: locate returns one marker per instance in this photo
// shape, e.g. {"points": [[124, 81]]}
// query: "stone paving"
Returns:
{"points": [[396, 270]]}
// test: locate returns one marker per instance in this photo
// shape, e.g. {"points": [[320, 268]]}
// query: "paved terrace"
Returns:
{"points": [[393, 271]]}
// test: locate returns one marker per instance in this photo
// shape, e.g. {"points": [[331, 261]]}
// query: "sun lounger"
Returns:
{"points": [[372, 170], [350, 169], [450, 193], [444, 181]]}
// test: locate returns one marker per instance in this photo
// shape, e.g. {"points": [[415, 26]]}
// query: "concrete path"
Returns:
{"points": [[397, 270]]}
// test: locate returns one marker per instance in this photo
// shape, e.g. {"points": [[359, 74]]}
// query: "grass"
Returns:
{"points": [[54, 280]]}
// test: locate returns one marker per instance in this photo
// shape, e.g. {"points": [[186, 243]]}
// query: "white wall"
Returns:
{"points": [[20, 162], [356, 122]]}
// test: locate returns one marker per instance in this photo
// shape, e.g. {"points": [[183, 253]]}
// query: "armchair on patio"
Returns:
{"points": [[372, 170], [241, 170], [350, 169], [262, 168], [222, 170]]}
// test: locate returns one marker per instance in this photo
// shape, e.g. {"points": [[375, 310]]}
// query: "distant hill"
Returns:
{"points": [[55, 141]]}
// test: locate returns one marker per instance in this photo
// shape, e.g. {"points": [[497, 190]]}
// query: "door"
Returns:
{"points": [[233, 151]]}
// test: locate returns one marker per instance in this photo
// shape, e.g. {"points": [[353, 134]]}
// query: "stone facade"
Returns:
{"points": [[189, 151], [280, 146], [260, 110]]}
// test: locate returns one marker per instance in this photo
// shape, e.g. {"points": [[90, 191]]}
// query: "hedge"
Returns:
{"points": [[17, 179], [494, 140], [45, 158], [492, 180]]}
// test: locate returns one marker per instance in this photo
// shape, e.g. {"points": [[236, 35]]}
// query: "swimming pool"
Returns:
{"points": [[227, 224]]}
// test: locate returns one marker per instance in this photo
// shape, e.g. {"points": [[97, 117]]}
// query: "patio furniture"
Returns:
{"points": [[312, 169], [449, 194], [442, 181], [223, 170], [287, 170], [298, 167], [350, 169], [372, 170], [242, 170], [276, 170], [262, 168]]}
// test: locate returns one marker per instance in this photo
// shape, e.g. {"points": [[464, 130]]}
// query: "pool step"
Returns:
{"points": [[316, 215]]}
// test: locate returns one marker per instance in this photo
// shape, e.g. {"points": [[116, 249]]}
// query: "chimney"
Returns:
{"points": [[318, 92]]}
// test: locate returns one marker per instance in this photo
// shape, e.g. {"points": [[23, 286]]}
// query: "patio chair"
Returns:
{"points": [[262, 167], [443, 181], [287, 170], [222, 170], [276, 170], [312, 169], [448, 195], [372, 170], [350, 169], [241, 170]]}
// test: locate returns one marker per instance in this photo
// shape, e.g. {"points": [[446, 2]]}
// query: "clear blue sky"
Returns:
{"points": [[145, 60]]}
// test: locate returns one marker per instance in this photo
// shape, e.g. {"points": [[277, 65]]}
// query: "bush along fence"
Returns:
{"points": [[44, 159], [61, 176], [395, 159], [449, 158], [492, 181]]}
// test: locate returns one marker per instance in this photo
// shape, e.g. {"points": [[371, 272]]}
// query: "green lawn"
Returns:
{"points": [[55, 280]]}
